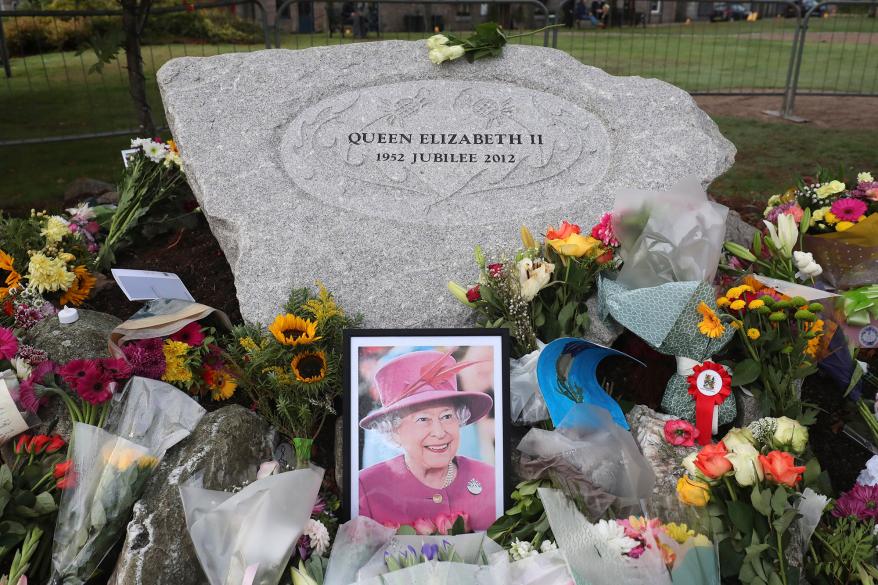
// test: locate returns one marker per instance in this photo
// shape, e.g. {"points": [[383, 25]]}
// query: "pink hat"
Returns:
{"points": [[421, 377]]}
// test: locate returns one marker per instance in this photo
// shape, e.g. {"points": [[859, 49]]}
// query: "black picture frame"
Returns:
{"points": [[355, 338]]}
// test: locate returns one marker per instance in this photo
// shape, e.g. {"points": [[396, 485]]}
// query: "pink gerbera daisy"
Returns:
{"points": [[848, 209], [8, 344], [76, 371], [191, 335], [95, 389]]}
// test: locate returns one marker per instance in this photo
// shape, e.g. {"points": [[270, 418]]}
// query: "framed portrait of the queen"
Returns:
{"points": [[425, 427]]}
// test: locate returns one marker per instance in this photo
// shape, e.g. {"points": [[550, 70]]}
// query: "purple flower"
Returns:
{"points": [[861, 502], [146, 358], [304, 547], [26, 315], [430, 551]]}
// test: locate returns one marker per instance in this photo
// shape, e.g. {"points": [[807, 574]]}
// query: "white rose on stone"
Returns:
{"points": [[444, 53], [533, 276], [436, 41], [807, 267]]}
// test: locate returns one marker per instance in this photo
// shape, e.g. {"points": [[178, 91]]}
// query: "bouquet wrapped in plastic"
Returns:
{"points": [[109, 470], [248, 537], [654, 550], [671, 244]]}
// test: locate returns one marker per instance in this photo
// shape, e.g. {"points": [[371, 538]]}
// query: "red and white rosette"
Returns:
{"points": [[709, 384]]}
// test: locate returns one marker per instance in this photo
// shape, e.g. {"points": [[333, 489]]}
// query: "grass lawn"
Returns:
{"points": [[770, 156]]}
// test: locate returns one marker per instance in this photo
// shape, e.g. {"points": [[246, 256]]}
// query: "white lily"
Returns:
{"points": [[785, 235], [533, 277]]}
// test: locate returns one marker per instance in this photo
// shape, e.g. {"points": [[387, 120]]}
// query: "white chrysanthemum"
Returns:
{"points": [[138, 142], [318, 536], [55, 230], [548, 546], [865, 177], [48, 274], [613, 534], [22, 368], [155, 151], [519, 550]]}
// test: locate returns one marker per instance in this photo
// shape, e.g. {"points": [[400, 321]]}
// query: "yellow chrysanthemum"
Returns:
{"points": [[55, 229], [176, 369], [679, 532], [753, 333], [734, 292], [710, 325], [12, 278], [80, 289], [309, 366], [755, 304], [248, 344], [292, 330], [48, 274], [843, 226], [738, 305], [736, 324], [722, 302]]}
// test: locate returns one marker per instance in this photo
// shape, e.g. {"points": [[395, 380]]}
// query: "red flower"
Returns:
{"points": [[65, 475], [38, 444], [8, 308], [680, 433], [95, 390], [495, 269], [191, 335], [712, 461], [473, 294], [56, 443], [567, 229], [780, 467], [115, 369], [76, 371], [22, 444]]}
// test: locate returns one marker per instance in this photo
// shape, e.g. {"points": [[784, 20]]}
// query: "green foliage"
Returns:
{"points": [[844, 551], [526, 520], [296, 405]]}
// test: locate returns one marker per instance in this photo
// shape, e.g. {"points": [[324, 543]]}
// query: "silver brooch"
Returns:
{"points": [[474, 487]]}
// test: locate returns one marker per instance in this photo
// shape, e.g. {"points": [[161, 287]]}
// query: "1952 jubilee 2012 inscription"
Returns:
{"points": [[422, 149]]}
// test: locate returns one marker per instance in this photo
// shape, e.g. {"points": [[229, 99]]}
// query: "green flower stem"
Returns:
{"points": [[545, 28], [105, 410], [780, 557], [731, 489]]}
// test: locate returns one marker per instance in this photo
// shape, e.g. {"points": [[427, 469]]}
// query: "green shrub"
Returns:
{"points": [[213, 27]]}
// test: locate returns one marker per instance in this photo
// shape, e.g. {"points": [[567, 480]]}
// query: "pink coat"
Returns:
{"points": [[391, 495]]}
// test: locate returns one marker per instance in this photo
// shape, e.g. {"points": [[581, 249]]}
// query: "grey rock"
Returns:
{"points": [[108, 198], [86, 338], [749, 409], [738, 230], [273, 150], [601, 331], [648, 426], [226, 449], [82, 188]]}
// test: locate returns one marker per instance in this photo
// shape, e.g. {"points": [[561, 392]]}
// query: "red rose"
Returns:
{"points": [[473, 294], [567, 229], [65, 475], [780, 467], [22, 444], [712, 461], [39, 444], [56, 443]]}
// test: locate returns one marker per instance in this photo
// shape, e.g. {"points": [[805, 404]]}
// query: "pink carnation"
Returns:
{"points": [[8, 344], [604, 232], [848, 209], [680, 433]]}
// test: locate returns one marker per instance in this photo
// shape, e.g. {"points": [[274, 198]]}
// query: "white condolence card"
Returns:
{"points": [[146, 285]]}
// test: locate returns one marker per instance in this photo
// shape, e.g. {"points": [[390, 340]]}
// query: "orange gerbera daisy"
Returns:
{"points": [[12, 278], [80, 289], [710, 325]]}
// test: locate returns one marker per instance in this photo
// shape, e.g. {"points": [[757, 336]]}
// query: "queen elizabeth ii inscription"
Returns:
{"points": [[377, 172], [424, 149]]}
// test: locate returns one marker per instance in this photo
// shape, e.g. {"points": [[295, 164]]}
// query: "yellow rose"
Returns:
{"points": [[575, 245], [830, 217], [830, 188], [693, 492], [843, 226]]}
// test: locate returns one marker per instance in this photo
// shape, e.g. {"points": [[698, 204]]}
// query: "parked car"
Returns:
{"points": [[723, 11]]}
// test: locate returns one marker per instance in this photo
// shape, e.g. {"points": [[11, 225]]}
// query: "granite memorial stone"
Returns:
{"points": [[377, 172]]}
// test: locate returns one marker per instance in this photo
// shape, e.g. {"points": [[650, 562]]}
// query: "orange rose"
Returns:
{"points": [[712, 461], [780, 467], [567, 229]]}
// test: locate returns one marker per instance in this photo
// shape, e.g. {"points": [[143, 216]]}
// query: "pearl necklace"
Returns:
{"points": [[449, 477]]}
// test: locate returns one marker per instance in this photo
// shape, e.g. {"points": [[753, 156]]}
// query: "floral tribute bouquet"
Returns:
{"points": [[750, 484], [292, 369], [29, 487], [153, 174], [539, 292], [664, 296], [109, 470], [487, 41], [48, 257], [778, 339], [176, 341], [840, 223], [21, 366]]}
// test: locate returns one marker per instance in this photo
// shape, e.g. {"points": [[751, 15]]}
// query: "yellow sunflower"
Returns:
{"points": [[710, 325], [12, 279], [291, 330], [309, 366], [80, 289]]}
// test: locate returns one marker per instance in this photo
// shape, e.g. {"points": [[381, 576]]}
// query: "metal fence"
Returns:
{"points": [[54, 87]]}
